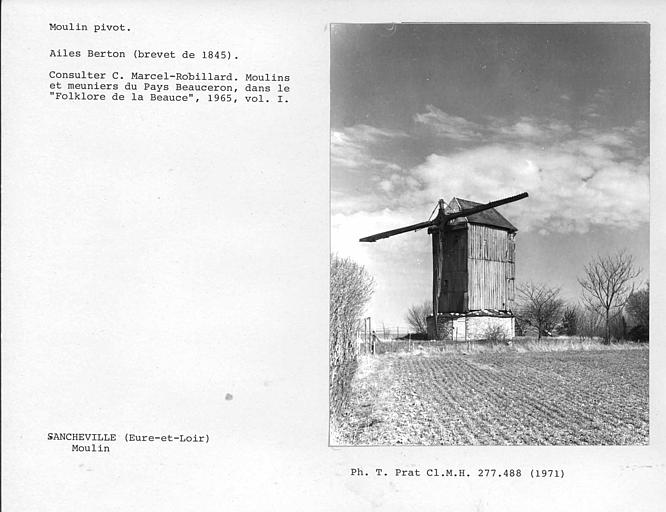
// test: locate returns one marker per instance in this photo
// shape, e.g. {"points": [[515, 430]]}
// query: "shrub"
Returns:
{"points": [[570, 321], [495, 334], [351, 290], [416, 317], [639, 333], [638, 307]]}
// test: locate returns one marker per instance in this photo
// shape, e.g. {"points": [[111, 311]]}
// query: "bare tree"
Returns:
{"points": [[570, 320], [416, 317], [351, 288], [539, 306], [607, 284], [588, 323]]}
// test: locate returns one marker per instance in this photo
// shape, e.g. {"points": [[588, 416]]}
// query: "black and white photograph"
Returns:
{"points": [[333, 256], [490, 202]]}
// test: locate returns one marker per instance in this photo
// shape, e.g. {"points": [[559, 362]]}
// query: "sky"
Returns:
{"points": [[421, 112]]}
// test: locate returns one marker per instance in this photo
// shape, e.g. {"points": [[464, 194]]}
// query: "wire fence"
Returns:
{"points": [[382, 340], [391, 333], [517, 344], [379, 346]]}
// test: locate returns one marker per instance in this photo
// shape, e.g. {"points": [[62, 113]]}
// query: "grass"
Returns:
{"points": [[512, 396], [518, 344]]}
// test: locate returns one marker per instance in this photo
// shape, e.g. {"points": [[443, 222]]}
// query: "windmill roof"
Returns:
{"points": [[490, 217]]}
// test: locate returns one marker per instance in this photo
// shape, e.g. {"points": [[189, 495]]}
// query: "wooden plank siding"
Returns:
{"points": [[487, 285], [491, 268], [511, 272], [478, 269]]}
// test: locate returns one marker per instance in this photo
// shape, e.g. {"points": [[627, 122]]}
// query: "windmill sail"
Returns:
{"points": [[406, 229], [443, 218], [476, 209]]}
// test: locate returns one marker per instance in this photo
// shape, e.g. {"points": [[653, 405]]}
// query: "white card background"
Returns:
{"points": [[157, 257]]}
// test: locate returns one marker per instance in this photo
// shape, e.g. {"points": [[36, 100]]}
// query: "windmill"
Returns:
{"points": [[473, 257]]}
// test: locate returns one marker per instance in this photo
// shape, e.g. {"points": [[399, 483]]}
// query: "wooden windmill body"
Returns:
{"points": [[473, 254]]}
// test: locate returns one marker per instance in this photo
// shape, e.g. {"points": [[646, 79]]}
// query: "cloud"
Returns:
{"points": [[348, 228], [458, 128], [447, 125], [370, 134], [609, 139], [352, 147], [525, 128], [577, 179], [599, 106], [572, 188]]}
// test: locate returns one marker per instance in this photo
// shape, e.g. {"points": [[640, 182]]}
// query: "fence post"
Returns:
{"points": [[372, 336]]}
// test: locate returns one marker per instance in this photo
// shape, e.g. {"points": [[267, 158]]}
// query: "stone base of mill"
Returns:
{"points": [[475, 325]]}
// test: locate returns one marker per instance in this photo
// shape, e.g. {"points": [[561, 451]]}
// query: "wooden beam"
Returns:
{"points": [[398, 231]]}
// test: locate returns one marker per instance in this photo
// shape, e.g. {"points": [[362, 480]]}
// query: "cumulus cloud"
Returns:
{"points": [[572, 188], [577, 178]]}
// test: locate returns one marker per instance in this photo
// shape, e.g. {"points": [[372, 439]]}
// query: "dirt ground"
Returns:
{"points": [[533, 398]]}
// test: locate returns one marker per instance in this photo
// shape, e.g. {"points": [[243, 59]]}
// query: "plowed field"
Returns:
{"points": [[546, 398]]}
